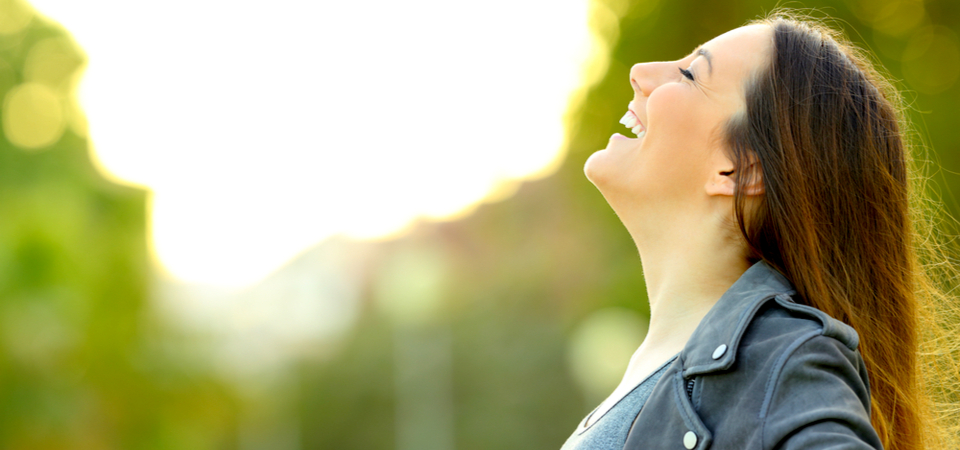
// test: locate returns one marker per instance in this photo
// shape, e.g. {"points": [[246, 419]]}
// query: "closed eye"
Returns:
{"points": [[686, 73]]}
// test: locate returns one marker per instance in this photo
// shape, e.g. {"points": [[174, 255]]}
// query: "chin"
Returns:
{"points": [[593, 168]]}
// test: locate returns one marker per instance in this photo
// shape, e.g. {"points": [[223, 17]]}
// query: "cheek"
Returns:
{"points": [[675, 157], [671, 118], [670, 110], [681, 116]]}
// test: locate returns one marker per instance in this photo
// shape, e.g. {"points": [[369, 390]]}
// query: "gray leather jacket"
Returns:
{"points": [[761, 372]]}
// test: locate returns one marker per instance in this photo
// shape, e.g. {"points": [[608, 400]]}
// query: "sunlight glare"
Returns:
{"points": [[261, 131]]}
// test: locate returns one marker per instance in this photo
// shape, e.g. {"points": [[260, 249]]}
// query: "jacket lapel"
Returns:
{"points": [[713, 345]]}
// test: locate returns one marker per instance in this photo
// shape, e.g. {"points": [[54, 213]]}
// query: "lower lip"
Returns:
{"points": [[619, 136]]}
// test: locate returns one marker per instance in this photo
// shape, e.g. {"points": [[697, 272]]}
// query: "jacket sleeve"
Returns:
{"points": [[819, 400]]}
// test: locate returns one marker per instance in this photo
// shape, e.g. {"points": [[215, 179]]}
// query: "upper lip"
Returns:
{"points": [[630, 108]]}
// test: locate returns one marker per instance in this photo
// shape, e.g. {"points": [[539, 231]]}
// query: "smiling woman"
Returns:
{"points": [[680, 112], [769, 193]]}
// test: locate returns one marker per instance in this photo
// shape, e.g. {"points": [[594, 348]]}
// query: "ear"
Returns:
{"points": [[723, 181]]}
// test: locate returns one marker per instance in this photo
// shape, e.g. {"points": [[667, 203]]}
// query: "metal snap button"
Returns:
{"points": [[690, 440], [719, 351]]}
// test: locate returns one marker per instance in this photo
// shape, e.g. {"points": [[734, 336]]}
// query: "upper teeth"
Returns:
{"points": [[630, 121]]}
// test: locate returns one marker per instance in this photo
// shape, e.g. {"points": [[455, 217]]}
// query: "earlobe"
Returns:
{"points": [[721, 183]]}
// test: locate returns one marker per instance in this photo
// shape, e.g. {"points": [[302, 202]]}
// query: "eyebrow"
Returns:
{"points": [[706, 54]]}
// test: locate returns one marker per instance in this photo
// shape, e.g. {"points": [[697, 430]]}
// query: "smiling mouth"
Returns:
{"points": [[631, 121]]}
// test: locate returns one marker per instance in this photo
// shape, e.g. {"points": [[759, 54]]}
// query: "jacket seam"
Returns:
{"points": [[831, 327], [772, 380]]}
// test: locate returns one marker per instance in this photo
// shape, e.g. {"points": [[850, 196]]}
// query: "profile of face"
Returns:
{"points": [[678, 111]]}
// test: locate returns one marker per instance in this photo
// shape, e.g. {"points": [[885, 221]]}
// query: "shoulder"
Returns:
{"points": [[816, 391], [780, 329], [782, 318], [803, 348]]}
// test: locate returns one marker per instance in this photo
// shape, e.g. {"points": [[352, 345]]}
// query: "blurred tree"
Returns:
{"points": [[82, 363]]}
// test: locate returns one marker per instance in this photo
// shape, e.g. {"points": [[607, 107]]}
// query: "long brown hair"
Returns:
{"points": [[835, 217]]}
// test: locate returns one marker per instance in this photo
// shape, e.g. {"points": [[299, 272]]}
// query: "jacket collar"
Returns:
{"points": [[713, 345]]}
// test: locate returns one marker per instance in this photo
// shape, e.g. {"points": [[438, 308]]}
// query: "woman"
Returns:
{"points": [[767, 193]]}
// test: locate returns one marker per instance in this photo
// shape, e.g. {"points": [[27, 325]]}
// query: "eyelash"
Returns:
{"points": [[686, 73]]}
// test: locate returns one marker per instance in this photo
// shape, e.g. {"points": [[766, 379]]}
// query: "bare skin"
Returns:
{"points": [[673, 188]]}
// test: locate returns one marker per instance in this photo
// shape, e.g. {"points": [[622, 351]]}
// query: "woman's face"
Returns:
{"points": [[679, 109]]}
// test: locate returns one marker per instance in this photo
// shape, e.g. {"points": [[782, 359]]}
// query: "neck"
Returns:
{"points": [[687, 266]]}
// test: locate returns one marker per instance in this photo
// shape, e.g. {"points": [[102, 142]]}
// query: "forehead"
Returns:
{"points": [[738, 52]]}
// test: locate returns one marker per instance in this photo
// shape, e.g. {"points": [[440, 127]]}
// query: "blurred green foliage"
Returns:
{"points": [[82, 363], [85, 363]]}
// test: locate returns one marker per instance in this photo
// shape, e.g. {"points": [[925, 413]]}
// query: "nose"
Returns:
{"points": [[645, 77]]}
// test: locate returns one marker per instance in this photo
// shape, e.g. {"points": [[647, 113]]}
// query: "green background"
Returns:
{"points": [[86, 362]]}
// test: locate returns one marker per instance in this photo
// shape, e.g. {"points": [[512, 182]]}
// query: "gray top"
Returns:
{"points": [[609, 431]]}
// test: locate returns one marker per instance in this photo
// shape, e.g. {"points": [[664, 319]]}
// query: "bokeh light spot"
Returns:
{"points": [[899, 17], [53, 62], [410, 286], [32, 116], [601, 347], [931, 60], [604, 21], [16, 16]]}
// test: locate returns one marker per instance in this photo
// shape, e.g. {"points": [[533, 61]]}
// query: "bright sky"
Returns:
{"points": [[264, 128]]}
